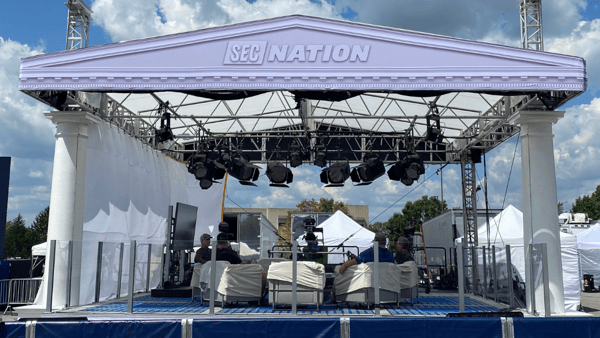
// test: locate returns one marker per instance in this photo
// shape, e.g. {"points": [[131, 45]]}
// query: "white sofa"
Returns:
{"points": [[234, 282], [396, 282], [309, 286]]}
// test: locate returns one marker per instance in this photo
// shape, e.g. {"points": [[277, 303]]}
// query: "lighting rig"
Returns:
{"points": [[279, 175], [411, 167], [164, 133], [337, 173], [368, 171], [241, 169], [434, 130]]}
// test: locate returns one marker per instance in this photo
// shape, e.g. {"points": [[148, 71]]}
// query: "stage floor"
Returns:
{"points": [[434, 304]]}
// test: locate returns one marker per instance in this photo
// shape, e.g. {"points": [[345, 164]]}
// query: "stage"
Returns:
{"points": [[182, 317]]}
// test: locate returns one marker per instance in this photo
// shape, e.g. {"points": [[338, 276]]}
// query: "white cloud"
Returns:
{"points": [[583, 41], [36, 174], [27, 136], [125, 20]]}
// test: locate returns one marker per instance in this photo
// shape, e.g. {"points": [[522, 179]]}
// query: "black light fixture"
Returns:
{"points": [[279, 175], [434, 130], [368, 171], [320, 157], [336, 174], [407, 170], [205, 170], [242, 170], [164, 133], [296, 156]]}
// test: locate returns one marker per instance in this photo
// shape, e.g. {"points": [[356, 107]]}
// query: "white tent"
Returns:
{"points": [[336, 229], [507, 229], [588, 245], [39, 250]]}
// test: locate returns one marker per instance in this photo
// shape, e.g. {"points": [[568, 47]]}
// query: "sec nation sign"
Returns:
{"points": [[257, 52]]}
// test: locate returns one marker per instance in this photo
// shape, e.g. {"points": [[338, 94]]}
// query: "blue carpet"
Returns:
{"points": [[438, 306], [152, 307], [427, 306]]}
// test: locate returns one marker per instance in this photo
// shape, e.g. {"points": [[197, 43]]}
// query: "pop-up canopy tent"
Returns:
{"points": [[336, 230], [588, 245], [507, 229], [39, 249]]}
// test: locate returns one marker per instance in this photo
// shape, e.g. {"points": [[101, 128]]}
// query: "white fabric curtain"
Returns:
{"points": [[128, 189]]}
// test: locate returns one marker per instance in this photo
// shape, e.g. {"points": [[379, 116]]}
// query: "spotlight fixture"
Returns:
{"points": [[434, 131], [320, 159], [295, 156], [279, 175], [336, 174], [206, 171], [242, 170], [164, 133], [368, 171], [407, 170]]}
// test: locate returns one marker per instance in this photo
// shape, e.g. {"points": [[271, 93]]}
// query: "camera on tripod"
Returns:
{"points": [[224, 234]]}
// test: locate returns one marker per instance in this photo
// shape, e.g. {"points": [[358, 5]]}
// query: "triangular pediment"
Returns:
{"points": [[302, 53]]}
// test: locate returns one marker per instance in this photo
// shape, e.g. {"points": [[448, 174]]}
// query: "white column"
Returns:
{"points": [[540, 213], [65, 222]]}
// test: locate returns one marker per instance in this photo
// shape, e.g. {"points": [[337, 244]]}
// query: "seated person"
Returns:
{"points": [[366, 256], [203, 254], [403, 255], [224, 253]]}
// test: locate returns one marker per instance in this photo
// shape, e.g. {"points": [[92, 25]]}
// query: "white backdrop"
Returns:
{"points": [[128, 189]]}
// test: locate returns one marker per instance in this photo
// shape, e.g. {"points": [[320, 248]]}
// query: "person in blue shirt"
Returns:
{"points": [[366, 256]]}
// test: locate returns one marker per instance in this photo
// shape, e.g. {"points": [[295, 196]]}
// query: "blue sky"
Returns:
{"points": [[31, 27]]}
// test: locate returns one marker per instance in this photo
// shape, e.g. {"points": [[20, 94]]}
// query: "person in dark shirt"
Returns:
{"points": [[402, 255], [203, 254], [366, 256], [224, 253]]}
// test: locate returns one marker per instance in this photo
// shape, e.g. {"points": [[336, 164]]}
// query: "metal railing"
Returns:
{"points": [[19, 291]]}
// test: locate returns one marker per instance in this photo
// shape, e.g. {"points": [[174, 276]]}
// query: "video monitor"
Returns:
{"points": [[185, 227]]}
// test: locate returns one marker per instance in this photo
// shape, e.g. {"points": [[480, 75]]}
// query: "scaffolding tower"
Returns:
{"points": [[78, 27], [531, 24], [469, 197]]}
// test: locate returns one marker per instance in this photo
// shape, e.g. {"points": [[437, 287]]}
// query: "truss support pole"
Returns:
{"points": [[469, 197], [78, 24], [538, 184], [65, 222], [531, 24]]}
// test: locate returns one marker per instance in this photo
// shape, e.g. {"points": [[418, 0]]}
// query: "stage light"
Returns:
{"points": [[434, 131], [368, 171], [242, 170], [295, 156], [415, 167], [320, 157], [407, 170], [206, 171], [320, 160], [279, 175], [336, 174], [164, 133]]}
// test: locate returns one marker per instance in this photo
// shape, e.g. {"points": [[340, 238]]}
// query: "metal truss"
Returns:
{"points": [[469, 197], [269, 124], [531, 24], [78, 27]]}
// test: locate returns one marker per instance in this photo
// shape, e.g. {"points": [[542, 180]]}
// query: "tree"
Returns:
{"points": [[17, 239], [588, 204], [415, 213], [323, 205], [561, 207], [39, 227]]}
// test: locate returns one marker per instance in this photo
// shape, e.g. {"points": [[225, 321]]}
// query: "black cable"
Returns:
{"points": [[401, 198], [506, 191]]}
